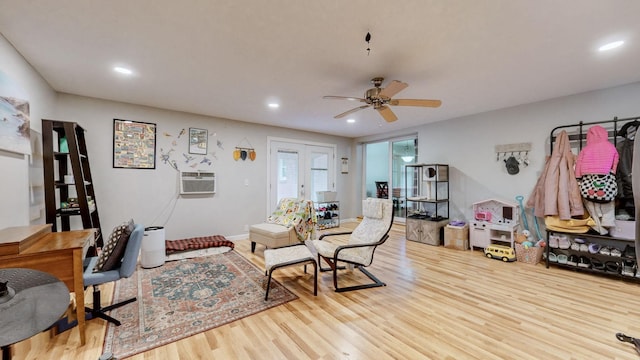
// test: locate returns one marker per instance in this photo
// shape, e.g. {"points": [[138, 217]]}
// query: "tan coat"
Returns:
{"points": [[557, 191]]}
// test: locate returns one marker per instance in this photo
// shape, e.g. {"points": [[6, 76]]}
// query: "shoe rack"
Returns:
{"points": [[328, 214], [597, 254]]}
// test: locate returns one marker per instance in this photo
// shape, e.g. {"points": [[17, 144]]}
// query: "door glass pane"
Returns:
{"points": [[319, 174], [287, 177], [405, 152], [377, 169], [300, 170]]}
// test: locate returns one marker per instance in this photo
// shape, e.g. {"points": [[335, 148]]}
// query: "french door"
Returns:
{"points": [[300, 170]]}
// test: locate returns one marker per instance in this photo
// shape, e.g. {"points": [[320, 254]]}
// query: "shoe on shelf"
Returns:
{"points": [[553, 241], [597, 265], [616, 252], [580, 240], [594, 248], [572, 260], [562, 259], [553, 257], [584, 262], [628, 268], [564, 243], [575, 246], [584, 247], [629, 252], [612, 267], [605, 251]]}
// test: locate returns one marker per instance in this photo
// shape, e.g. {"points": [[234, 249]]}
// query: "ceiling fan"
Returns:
{"points": [[380, 98]]}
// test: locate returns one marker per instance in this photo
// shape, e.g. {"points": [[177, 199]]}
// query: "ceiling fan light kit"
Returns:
{"points": [[380, 98]]}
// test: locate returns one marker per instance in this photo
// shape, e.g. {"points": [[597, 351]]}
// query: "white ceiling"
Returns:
{"points": [[230, 58]]}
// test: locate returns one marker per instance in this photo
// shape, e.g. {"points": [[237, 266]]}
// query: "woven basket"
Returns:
{"points": [[531, 255]]}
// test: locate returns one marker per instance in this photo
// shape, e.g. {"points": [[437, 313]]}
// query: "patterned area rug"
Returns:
{"points": [[186, 297]]}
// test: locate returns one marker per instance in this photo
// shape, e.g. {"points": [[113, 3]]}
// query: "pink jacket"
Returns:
{"points": [[599, 156]]}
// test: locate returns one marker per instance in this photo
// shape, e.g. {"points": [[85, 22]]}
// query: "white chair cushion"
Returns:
{"points": [[369, 230], [298, 253], [372, 208]]}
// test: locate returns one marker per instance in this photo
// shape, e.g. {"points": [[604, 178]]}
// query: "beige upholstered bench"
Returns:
{"points": [[272, 235], [292, 221], [288, 256]]}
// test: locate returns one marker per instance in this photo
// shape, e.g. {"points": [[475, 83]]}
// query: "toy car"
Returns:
{"points": [[500, 252]]}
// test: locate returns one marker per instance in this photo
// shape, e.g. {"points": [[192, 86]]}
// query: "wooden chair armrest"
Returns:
{"points": [[351, 246], [334, 234]]}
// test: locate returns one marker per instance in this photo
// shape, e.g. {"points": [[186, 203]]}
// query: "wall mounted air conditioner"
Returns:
{"points": [[197, 182]]}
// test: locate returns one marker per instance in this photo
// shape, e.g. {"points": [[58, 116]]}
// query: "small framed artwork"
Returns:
{"points": [[198, 141], [134, 144]]}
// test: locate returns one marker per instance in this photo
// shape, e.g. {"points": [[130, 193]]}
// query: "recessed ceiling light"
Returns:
{"points": [[274, 105], [351, 121], [611, 45], [122, 70]]}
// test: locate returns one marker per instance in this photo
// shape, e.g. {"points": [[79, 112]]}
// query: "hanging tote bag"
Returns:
{"points": [[599, 188]]}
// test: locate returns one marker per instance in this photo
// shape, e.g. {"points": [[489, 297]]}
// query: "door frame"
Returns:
{"points": [[390, 141], [305, 143]]}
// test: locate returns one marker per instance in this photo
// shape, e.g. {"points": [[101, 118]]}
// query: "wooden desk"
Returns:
{"points": [[57, 253]]}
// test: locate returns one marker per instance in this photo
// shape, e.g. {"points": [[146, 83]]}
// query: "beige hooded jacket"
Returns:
{"points": [[557, 191]]}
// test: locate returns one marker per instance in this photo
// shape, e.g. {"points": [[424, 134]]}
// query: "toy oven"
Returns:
{"points": [[483, 216]]}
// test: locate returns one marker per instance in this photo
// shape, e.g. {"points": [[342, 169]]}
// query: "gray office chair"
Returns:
{"points": [[125, 269]]}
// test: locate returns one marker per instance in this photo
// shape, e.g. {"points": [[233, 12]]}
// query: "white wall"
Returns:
{"points": [[467, 144], [14, 189], [150, 196]]}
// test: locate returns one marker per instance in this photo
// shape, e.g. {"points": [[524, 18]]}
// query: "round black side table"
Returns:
{"points": [[31, 302]]}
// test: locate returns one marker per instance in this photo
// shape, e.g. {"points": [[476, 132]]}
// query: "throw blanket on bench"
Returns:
{"points": [[298, 213], [195, 243]]}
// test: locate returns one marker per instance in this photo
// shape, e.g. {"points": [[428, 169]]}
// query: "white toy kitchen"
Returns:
{"points": [[494, 222]]}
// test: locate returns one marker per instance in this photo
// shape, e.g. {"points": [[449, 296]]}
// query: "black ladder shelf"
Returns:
{"points": [[56, 166]]}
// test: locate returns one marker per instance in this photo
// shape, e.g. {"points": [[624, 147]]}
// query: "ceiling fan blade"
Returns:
{"points": [[387, 114], [416, 102], [393, 88], [344, 98], [350, 111]]}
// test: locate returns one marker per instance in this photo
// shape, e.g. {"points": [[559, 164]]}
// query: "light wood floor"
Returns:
{"points": [[439, 304]]}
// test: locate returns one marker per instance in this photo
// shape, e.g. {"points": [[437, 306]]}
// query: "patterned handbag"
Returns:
{"points": [[599, 188]]}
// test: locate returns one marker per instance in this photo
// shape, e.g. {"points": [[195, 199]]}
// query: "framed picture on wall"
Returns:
{"points": [[198, 141], [134, 144]]}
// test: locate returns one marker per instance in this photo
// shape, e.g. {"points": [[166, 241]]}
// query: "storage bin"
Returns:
{"points": [[531, 255], [624, 229], [433, 231], [456, 237]]}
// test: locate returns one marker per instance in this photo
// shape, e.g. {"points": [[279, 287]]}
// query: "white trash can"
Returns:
{"points": [[153, 247]]}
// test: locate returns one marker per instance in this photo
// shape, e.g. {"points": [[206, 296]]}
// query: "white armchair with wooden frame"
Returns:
{"points": [[372, 232]]}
